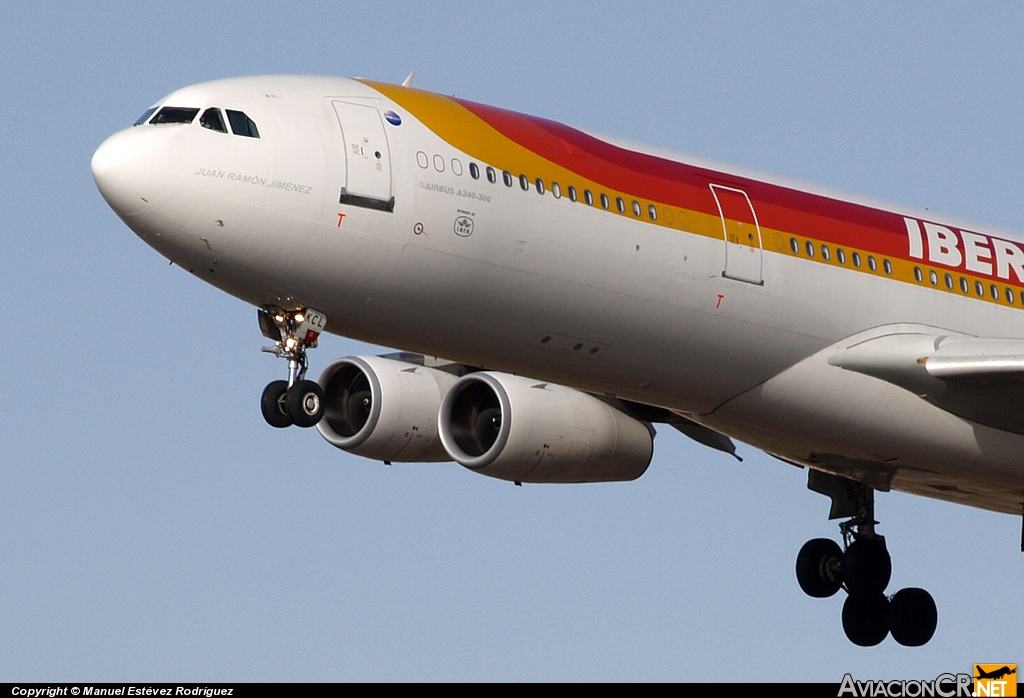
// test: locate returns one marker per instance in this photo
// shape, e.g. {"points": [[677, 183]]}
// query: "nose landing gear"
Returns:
{"points": [[864, 569], [294, 401]]}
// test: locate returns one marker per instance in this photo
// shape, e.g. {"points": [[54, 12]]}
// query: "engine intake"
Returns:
{"points": [[524, 430]]}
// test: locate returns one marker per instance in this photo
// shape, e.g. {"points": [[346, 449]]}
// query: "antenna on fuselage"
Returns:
{"points": [[408, 81]]}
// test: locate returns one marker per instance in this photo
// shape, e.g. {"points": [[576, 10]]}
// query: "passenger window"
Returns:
{"points": [[825, 254], [175, 115], [506, 177], [995, 292], [588, 197], [457, 167], [637, 211], [421, 159], [979, 288], [242, 125], [474, 170], [145, 116], [492, 176], [620, 204], [933, 276], [572, 193], [949, 281], [524, 182], [841, 255], [872, 264], [794, 245], [439, 163], [1009, 296], [668, 216], [556, 191], [856, 260], [964, 286], [605, 202], [918, 275], [540, 185], [212, 120], [809, 246], [887, 265], [652, 211]]}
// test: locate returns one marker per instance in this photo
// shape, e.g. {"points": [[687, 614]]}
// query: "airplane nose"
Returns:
{"points": [[119, 167]]}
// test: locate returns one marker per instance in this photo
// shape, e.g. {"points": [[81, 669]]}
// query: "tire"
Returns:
{"points": [[305, 403], [867, 566], [912, 617], [818, 568], [273, 407], [866, 618]]}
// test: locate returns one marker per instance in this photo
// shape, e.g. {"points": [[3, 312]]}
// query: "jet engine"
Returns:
{"points": [[383, 408], [525, 430]]}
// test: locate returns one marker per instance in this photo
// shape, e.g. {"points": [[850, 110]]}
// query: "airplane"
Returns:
{"points": [[553, 294]]}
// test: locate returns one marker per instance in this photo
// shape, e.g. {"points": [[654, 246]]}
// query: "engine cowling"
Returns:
{"points": [[524, 430], [383, 408]]}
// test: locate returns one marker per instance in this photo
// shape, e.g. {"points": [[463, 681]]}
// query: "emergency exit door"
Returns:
{"points": [[741, 233], [367, 157]]}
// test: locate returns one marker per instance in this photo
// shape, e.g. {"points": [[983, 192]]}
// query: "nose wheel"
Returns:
{"points": [[863, 569], [294, 401]]}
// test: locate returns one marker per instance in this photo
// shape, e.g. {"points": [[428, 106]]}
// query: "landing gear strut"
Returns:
{"points": [[863, 567], [294, 401]]}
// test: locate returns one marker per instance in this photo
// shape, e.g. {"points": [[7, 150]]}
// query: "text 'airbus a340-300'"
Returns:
{"points": [[582, 288]]}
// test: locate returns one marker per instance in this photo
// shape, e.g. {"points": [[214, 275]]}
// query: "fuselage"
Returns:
{"points": [[509, 242]]}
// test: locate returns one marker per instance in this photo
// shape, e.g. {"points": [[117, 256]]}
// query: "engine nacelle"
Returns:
{"points": [[383, 408], [525, 430]]}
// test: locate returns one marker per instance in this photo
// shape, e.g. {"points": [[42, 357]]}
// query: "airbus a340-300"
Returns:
{"points": [[579, 289]]}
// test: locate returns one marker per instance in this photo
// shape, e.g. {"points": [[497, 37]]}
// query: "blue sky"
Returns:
{"points": [[152, 527]]}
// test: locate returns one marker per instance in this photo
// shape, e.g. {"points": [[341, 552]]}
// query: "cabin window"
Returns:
{"points": [[995, 292], [964, 286], [506, 176], [145, 116], [841, 255], [524, 182], [887, 265], [652, 212], [556, 191], [809, 246], [540, 185], [1009, 296], [439, 163], [825, 254], [572, 193], [856, 259], [918, 275], [421, 159], [794, 245], [457, 167], [492, 176], [933, 276], [637, 211], [605, 202], [979, 288], [588, 197], [212, 120], [872, 264], [949, 281], [242, 125], [474, 170], [668, 215], [620, 204], [175, 115]]}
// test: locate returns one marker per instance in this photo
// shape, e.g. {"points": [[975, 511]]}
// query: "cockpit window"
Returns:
{"points": [[145, 116], [242, 125], [174, 115], [212, 120]]}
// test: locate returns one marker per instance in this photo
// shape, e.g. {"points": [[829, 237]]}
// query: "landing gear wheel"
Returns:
{"points": [[305, 403], [272, 404], [818, 568], [866, 566], [912, 617], [866, 618]]}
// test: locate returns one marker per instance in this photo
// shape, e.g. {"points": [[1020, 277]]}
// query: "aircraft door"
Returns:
{"points": [[742, 234], [367, 155]]}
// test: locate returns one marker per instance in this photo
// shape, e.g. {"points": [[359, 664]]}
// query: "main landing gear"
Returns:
{"points": [[863, 569], [294, 401]]}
